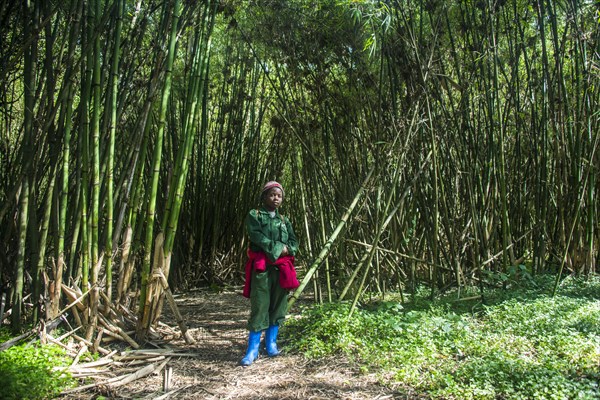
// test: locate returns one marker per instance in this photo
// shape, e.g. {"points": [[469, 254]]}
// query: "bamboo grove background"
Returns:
{"points": [[436, 143]]}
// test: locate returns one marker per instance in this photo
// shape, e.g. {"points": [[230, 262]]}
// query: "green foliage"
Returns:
{"points": [[5, 334], [33, 372], [514, 274], [529, 345]]}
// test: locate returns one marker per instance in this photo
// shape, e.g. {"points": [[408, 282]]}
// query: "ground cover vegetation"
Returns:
{"points": [[32, 371], [522, 344], [422, 144]]}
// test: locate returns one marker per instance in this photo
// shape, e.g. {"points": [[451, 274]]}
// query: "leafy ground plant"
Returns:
{"points": [[33, 372], [524, 344]]}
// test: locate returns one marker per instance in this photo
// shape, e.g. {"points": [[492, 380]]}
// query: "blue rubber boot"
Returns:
{"points": [[252, 352], [271, 340]]}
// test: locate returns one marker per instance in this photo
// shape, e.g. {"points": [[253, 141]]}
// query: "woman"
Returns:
{"points": [[270, 270]]}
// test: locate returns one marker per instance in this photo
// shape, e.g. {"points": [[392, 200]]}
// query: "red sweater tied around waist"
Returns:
{"points": [[257, 260]]}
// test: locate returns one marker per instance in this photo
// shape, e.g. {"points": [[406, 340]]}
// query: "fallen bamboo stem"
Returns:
{"points": [[77, 301], [97, 341], [120, 380], [59, 343], [89, 344], [77, 370], [147, 360], [137, 357], [82, 350], [8, 344], [141, 354], [66, 335], [327, 247], [147, 370], [97, 363], [180, 320], [77, 317], [79, 375], [118, 331]]}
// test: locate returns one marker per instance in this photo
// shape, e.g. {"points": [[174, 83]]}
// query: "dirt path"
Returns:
{"points": [[217, 322]]}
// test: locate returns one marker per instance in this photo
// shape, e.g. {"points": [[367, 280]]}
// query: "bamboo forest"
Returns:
{"points": [[428, 149]]}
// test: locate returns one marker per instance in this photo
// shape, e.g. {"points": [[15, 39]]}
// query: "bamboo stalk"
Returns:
{"points": [[114, 81], [180, 320], [332, 238], [156, 163]]}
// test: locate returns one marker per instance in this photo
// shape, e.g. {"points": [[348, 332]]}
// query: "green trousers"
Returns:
{"points": [[268, 301]]}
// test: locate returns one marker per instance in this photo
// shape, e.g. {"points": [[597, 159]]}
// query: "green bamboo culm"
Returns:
{"points": [[94, 297], [41, 262], [156, 162], [84, 152], [119, 9], [196, 101], [30, 19], [63, 196], [332, 238]]}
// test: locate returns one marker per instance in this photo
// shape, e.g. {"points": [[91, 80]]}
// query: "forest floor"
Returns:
{"points": [[217, 322]]}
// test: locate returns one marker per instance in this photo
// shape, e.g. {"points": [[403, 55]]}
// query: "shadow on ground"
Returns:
{"points": [[217, 321]]}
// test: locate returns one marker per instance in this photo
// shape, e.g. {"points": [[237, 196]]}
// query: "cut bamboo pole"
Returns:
{"points": [[82, 349], [180, 320], [147, 370], [90, 344], [118, 331]]}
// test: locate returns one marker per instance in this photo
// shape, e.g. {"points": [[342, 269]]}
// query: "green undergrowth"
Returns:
{"points": [[523, 344], [33, 372]]}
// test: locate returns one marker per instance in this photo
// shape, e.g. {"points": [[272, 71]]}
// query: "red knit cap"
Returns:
{"points": [[271, 185]]}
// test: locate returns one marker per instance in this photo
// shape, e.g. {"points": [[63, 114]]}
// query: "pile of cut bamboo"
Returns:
{"points": [[115, 321], [112, 335], [117, 369]]}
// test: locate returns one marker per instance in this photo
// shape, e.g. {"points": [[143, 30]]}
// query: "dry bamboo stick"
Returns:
{"points": [[76, 300], [113, 335], [116, 330], [97, 363], [170, 352], [12, 342], [168, 374], [171, 393], [97, 341], [109, 309], [59, 343], [147, 360], [82, 350], [77, 370], [79, 375], [127, 311], [66, 335], [137, 357], [91, 385], [79, 388], [88, 343], [147, 370], [124, 261], [120, 380], [111, 339], [77, 317], [180, 320]]}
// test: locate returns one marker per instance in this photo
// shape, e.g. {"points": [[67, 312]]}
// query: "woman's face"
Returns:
{"points": [[273, 198]]}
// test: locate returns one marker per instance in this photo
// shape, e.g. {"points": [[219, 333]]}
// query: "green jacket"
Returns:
{"points": [[269, 235]]}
